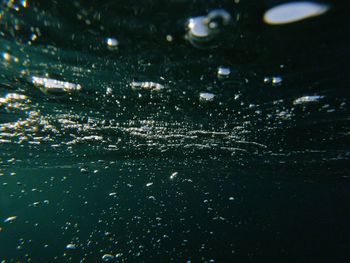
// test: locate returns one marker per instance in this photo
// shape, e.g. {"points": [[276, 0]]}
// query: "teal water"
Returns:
{"points": [[105, 168]]}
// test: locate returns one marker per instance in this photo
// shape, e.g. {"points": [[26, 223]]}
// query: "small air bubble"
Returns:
{"points": [[107, 257], [223, 72], [112, 43], [206, 96], [275, 81], [71, 246]]}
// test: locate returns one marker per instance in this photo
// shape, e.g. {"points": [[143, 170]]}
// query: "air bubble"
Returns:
{"points": [[293, 12], [202, 31], [275, 81], [71, 246], [107, 257], [146, 85], [307, 99], [10, 219], [112, 43], [55, 87], [223, 72], [206, 96]]}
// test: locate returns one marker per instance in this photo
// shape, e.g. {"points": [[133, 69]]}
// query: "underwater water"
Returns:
{"points": [[174, 131]]}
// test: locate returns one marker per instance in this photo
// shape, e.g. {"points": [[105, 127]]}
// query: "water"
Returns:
{"points": [[124, 140]]}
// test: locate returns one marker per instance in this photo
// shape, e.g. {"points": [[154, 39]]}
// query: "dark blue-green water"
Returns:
{"points": [[189, 166]]}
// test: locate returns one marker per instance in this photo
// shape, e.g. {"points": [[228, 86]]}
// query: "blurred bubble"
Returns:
{"points": [[275, 81], [112, 43], [206, 96], [55, 87], [107, 257], [146, 85], [71, 247], [204, 31], [307, 99], [293, 12], [223, 72]]}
